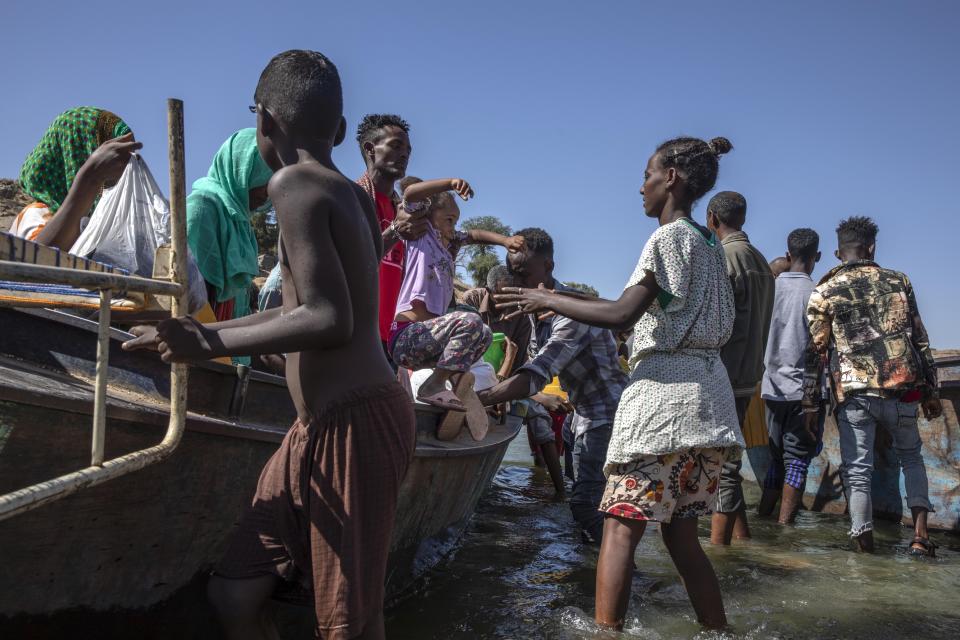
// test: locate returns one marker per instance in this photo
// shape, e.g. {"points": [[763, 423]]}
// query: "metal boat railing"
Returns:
{"points": [[99, 470]]}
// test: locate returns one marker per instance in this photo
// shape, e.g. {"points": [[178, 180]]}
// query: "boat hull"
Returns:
{"points": [[941, 456], [133, 542]]}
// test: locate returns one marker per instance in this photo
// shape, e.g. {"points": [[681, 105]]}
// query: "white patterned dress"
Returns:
{"points": [[678, 399]]}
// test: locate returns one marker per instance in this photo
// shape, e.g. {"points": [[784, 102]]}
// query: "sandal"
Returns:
{"points": [[452, 421], [445, 399], [450, 425], [478, 421], [929, 547]]}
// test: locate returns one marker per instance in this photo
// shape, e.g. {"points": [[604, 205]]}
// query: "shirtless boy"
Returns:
{"points": [[323, 512]]}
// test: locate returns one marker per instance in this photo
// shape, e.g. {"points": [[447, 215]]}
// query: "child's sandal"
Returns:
{"points": [[478, 421]]}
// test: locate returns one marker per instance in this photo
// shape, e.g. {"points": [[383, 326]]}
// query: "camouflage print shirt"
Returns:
{"points": [[866, 318]]}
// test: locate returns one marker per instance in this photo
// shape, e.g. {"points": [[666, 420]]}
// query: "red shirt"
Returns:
{"points": [[391, 268]]}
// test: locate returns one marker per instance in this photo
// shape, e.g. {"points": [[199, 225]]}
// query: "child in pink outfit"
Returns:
{"points": [[424, 334]]}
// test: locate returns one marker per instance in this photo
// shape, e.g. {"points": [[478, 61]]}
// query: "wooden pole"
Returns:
{"points": [[178, 253], [178, 204]]}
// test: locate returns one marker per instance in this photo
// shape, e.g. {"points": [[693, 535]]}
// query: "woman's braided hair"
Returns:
{"points": [[695, 160]]}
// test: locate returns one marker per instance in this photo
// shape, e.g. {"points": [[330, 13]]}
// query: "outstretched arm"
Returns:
{"points": [[324, 318], [567, 339], [512, 244], [420, 191], [411, 225], [617, 315]]}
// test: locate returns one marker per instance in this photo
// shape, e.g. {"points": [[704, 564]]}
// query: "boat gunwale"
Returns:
{"points": [[151, 413], [119, 335]]}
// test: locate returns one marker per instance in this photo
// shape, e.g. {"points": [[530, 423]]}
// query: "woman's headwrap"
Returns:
{"points": [[218, 216], [49, 170]]}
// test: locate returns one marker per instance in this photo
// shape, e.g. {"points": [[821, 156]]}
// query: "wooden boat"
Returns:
{"points": [[941, 455], [132, 542]]}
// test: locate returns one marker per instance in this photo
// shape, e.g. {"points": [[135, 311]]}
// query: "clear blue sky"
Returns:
{"points": [[550, 109]]}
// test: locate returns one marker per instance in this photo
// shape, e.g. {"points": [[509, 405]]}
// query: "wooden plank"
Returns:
{"points": [[17, 249], [85, 279]]}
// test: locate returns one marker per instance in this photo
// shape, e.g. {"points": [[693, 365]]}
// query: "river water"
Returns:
{"points": [[522, 572]]}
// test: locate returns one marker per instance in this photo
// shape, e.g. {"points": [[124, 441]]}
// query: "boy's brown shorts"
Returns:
{"points": [[324, 507]]}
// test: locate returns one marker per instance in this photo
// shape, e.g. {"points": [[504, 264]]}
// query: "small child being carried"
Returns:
{"points": [[424, 335]]}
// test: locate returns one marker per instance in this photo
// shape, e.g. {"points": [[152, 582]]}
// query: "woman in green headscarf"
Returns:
{"points": [[219, 231], [84, 150]]}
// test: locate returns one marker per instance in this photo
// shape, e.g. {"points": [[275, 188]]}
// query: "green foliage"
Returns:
{"points": [[480, 265], [583, 288], [478, 259]]}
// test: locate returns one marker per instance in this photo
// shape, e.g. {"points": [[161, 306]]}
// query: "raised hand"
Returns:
{"points": [[108, 161], [461, 187], [515, 244]]}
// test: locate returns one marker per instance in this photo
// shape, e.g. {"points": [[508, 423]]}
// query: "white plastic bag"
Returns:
{"points": [[130, 221]]}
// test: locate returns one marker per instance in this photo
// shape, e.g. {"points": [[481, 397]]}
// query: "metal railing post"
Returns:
{"points": [[100, 390], [178, 253], [101, 471]]}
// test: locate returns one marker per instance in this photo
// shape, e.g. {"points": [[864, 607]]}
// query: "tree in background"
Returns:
{"points": [[267, 231], [479, 259], [583, 288]]}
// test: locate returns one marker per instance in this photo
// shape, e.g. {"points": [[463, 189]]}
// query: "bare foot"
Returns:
{"points": [[434, 384]]}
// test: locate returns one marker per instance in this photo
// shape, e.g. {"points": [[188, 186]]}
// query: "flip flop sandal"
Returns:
{"points": [[450, 425], [478, 421], [445, 399], [929, 547]]}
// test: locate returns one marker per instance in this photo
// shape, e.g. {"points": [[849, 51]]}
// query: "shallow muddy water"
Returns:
{"points": [[521, 572]]}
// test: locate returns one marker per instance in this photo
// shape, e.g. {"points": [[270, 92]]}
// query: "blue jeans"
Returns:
{"points": [[857, 419], [589, 456]]}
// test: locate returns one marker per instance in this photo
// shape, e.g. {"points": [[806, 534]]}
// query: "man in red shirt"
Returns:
{"points": [[385, 145]]}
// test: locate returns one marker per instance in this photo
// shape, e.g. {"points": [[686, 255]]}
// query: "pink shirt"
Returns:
{"points": [[429, 272]]}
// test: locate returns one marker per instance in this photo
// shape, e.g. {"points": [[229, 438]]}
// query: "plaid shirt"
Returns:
{"points": [[869, 316], [586, 361]]}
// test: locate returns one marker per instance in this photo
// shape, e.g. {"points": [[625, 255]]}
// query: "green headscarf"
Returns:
{"points": [[218, 218], [49, 170]]}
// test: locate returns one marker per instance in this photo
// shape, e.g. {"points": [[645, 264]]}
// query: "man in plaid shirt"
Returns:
{"points": [[585, 359]]}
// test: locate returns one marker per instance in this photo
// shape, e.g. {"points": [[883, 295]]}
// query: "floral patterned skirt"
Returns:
{"points": [[661, 487]]}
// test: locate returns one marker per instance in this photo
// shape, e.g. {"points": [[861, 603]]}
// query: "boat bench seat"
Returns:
{"points": [[29, 294]]}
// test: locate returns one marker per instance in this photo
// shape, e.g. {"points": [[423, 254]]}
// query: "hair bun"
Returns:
{"points": [[720, 146]]}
